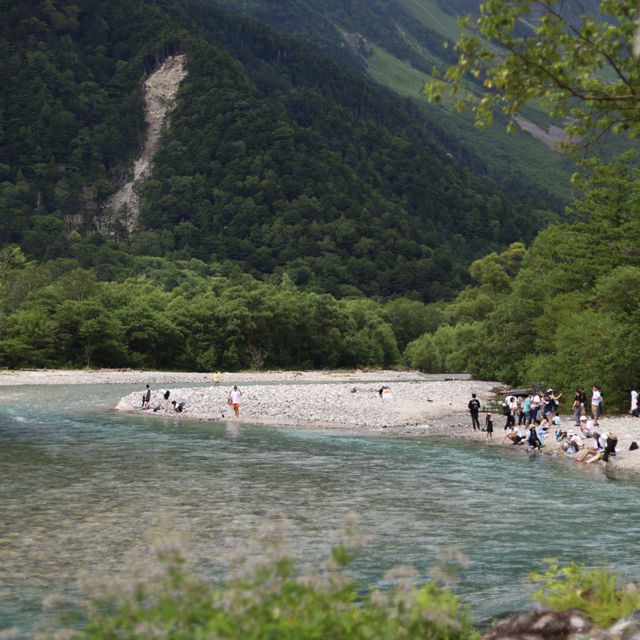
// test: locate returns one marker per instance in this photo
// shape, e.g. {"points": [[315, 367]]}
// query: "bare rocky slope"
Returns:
{"points": [[160, 90]]}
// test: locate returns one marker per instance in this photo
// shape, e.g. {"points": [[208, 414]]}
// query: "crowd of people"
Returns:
{"points": [[531, 417]]}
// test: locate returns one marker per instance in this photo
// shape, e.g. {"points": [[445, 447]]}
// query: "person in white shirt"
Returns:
{"points": [[535, 407], [634, 403], [596, 451], [514, 434], [586, 426], [596, 404], [235, 395]]}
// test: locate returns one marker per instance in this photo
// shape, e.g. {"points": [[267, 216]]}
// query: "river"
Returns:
{"points": [[82, 486]]}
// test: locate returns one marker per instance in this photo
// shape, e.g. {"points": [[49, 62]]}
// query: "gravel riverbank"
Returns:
{"points": [[414, 404]]}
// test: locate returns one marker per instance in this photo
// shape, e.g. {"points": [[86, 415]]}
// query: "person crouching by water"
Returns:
{"points": [[534, 438], [514, 434], [234, 397], [177, 407]]}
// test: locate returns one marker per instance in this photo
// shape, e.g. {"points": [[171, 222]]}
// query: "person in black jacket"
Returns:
{"points": [[474, 409]]}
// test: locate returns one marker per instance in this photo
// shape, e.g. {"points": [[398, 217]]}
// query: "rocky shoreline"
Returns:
{"points": [[415, 404]]}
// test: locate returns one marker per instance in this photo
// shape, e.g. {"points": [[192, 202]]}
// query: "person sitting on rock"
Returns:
{"points": [[572, 443], [586, 426], [596, 451], [610, 448]]}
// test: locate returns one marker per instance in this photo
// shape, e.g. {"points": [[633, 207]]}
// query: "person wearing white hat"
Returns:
{"points": [[586, 426], [573, 443]]}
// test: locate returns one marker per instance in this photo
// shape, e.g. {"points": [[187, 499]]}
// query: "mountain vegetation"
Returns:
{"points": [[298, 214], [403, 44], [276, 160]]}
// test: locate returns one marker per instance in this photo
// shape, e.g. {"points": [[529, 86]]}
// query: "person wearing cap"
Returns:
{"points": [[488, 425], [586, 426], [550, 406]]}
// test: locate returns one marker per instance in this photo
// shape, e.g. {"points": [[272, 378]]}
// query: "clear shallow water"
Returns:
{"points": [[82, 486]]}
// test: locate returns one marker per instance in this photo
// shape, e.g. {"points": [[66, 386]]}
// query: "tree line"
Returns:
{"points": [[191, 316]]}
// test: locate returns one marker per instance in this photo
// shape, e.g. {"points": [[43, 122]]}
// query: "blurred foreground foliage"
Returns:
{"points": [[266, 596]]}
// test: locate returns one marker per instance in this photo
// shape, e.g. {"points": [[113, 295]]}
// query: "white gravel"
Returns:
{"points": [[416, 404], [351, 403]]}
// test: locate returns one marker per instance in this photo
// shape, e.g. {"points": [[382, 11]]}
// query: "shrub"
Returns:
{"points": [[265, 597], [596, 592]]}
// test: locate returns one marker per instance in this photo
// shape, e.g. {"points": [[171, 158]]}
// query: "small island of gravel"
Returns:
{"points": [[410, 401]]}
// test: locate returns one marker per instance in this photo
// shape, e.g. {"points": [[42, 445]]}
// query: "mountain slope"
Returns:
{"points": [[277, 159], [405, 41]]}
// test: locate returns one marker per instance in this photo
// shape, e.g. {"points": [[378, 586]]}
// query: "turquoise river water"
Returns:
{"points": [[82, 486]]}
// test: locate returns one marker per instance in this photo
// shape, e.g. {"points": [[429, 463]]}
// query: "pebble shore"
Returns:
{"points": [[346, 401], [342, 400]]}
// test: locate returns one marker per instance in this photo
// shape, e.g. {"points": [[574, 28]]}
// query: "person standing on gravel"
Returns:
{"points": [[596, 404], [474, 409], [146, 398], [234, 396]]}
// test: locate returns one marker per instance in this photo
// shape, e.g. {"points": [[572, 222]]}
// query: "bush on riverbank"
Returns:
{"points": [[597, 592], [266, 597]]}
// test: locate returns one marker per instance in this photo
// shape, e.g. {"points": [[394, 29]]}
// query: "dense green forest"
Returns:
{"points": [[277, 159], [297, 216], [189, 316]]}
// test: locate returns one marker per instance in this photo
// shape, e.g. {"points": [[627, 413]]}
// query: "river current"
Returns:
{"points": [[82, 486]]}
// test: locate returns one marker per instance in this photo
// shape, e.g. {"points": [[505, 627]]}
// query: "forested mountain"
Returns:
{"points": [[401, 44], [288, 187], [277, 159]]}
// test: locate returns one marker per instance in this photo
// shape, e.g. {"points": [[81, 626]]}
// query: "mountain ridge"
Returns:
{"points": [[277, 160]]}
